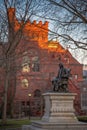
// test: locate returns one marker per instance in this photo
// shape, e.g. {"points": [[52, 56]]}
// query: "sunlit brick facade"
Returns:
{"points": [[37, 63]]}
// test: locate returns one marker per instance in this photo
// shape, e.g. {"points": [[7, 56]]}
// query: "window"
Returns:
{"points": [[37, 93], [84, 99], [59, 58], [25, 83], [35, 63], [28, 103], [25, 62], [70, 76], [76, 76], [23, 103], [67, 60], [30, 61], [26, 67]]}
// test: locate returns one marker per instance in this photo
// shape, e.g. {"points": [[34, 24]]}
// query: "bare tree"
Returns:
{"points": [[9, 41], [10, 37], [70, 20], [67, 23]]}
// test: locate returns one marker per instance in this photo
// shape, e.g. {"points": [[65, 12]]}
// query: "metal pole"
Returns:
{"points": [[29, 105]]}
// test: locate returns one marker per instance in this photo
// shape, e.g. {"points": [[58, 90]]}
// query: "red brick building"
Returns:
{"points": [[38, 65]]}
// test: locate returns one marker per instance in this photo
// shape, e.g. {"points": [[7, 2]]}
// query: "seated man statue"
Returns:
{"points": [[60, 83]]}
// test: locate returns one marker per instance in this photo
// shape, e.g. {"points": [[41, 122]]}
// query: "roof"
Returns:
{"points": [[55, 46]]}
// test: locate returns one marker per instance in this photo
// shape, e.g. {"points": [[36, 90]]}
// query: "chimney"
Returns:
{"points": [[11, 14]]}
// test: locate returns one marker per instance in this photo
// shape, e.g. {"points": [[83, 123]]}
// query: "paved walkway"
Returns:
{"points": [[10, 128]]}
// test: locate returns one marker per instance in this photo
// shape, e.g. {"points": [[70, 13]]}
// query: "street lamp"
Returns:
{"points": [[29, 95]]}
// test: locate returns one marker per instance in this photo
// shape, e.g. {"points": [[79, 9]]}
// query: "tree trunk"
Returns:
{"points": [[4, 116]]}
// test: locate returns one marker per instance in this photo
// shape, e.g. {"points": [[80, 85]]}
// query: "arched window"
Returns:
{"points": [[25, 62], [26, 67], [30, 61], [35, 63], [25, 83], [37, 93]]}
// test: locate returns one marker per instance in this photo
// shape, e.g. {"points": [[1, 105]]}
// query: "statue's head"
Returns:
{"points": [[60, 65]]}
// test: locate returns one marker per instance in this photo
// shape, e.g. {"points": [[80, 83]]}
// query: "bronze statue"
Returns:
{"points": [[60, 82]]}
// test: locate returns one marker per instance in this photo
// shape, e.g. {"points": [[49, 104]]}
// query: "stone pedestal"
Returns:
{"points": [[58, 115], [59, 108]]}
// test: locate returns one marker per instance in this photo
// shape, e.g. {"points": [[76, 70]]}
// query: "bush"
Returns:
{"points": [[82, 118]]}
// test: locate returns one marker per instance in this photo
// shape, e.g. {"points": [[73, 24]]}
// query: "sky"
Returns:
{"points": [[55, 26]]}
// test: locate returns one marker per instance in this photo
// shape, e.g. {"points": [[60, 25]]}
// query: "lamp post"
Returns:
{"points": [[29, 95]]}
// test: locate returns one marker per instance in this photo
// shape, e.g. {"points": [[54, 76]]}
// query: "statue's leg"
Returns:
{"points": [[57, 86], [53, 85], [54, 88], [65, 88]]}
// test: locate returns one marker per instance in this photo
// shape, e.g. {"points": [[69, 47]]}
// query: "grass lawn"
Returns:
{"points": [[14, 123]]}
